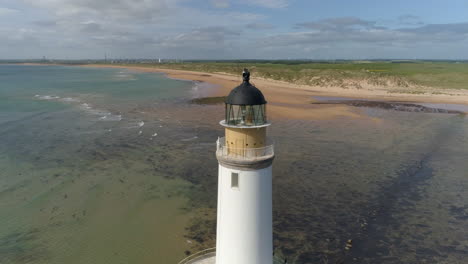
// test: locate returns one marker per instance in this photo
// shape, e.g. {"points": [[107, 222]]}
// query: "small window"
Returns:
{"points": [[234, 180]]}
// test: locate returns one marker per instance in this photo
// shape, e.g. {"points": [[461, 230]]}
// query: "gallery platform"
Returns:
{"points": [[208, 256]]}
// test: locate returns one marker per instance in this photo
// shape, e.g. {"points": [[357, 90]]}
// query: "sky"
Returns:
{"points": [[234, 29]]}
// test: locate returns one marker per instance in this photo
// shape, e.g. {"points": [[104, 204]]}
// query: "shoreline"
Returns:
{"points": [[286, 100], [439, 96]]}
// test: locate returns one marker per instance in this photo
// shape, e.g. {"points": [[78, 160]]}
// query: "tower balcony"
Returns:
{"points": [[244, 157], [208, 256]]}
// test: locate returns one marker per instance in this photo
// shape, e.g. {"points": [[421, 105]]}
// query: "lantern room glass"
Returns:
{"points": [[246, 115]]}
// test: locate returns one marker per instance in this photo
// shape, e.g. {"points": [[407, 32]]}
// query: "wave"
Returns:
{"points": [[124, 76], [69, 99], [47, 97], [102, 115], [189, 139]]}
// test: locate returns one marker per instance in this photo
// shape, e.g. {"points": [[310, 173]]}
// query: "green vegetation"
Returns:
{"points": [[346, 74], [400, 76]]}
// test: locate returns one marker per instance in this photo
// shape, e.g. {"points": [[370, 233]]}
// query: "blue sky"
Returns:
{"points": [[234, 29]]}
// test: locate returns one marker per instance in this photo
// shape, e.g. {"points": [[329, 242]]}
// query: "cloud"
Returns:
{"points": [[272, 4], [130, 27], [269, 3], [178, 28], [204, 37], [409, 20], [456, 28], [337, 23], [143, 10], [7, 11], [45, 23], [220, 3], [348, 36], [259, 26], [91, 27], [352, 29]]}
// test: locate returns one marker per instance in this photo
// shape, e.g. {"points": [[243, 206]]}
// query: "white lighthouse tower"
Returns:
{"points": [[244, 228], [244, 232]]}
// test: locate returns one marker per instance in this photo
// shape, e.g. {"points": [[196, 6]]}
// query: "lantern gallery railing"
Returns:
{"points": [[209, 254], [243, 153], [199, 256]]}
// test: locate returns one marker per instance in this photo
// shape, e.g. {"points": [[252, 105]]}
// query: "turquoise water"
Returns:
{"points": [[113, 87], [76, 184]]}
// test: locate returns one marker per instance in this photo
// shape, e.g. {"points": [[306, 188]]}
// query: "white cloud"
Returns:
{"points": [[143, 10], [220, 3], [410, 20], [260, 26], [261, 3], [269, 3], [348, 37], [7, 11], [177, 28], [131, 28]]}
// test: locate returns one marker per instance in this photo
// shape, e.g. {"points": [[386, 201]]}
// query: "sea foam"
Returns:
{"points": [[102, 115]]}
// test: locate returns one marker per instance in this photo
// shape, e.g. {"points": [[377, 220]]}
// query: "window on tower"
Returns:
{"points": [[234, 180]]}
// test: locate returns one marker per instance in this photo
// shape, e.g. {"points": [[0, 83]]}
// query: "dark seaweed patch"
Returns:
{"points": [[21, 247], [209, 100], [459, 212], [396, 106], [397, 195]]}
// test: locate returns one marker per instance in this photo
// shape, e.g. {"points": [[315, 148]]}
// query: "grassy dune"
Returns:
{"points": [[441, 75]]}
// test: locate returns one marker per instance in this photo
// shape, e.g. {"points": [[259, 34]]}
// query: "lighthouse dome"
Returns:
{"points": [[246, 93], [245, 105]]}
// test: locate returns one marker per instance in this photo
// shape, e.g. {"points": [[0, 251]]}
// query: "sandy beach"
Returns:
{"points": [[286, 100]]}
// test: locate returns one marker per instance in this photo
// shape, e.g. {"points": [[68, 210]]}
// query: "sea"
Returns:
{"points": [[108, 165], [76, 181]]}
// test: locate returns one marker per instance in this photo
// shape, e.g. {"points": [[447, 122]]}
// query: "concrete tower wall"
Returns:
{"points": [[244, 228], [240, 138]]}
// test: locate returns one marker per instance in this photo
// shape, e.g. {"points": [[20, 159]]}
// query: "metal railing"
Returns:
{"points": [[244, 153], [211, 252], [204, 254]]}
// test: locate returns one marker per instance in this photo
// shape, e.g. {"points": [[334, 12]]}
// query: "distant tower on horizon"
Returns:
{"points": [[244, 232]]}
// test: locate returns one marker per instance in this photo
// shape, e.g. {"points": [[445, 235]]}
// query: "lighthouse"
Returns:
{"points": [[245, 155]]}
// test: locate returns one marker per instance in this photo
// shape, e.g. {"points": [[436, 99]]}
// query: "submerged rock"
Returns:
{"points": [[396, 106]]}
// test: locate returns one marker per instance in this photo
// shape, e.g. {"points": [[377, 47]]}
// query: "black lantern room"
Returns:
{"points": [[246, 105]]}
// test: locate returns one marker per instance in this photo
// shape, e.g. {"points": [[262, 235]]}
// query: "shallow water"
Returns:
{"points": [[76, 185], [79, 188], [393, 185]]}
